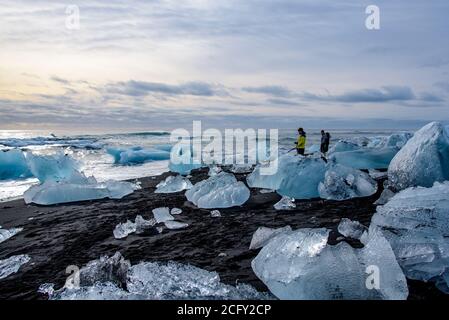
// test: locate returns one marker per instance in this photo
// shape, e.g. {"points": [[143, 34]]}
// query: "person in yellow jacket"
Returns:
{"points": [[301, 143]]}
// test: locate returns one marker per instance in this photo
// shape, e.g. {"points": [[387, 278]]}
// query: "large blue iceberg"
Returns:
{"points": [[13, 165], [138, 155]]}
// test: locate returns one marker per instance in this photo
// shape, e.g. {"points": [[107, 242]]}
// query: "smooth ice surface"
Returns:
{"points": [[13, 165], [301, 265], [107, 278], [173, 184], [423, 160], [137, 155], [416, 223], [297, 177], [263, 235], [5, 234], [351, 229], [174, 225], [286, 203], [12, 265], [341, 183], [162, 215], [219, 191], [79, 189]]}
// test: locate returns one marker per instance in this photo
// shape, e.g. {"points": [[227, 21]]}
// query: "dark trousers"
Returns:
{"points": [[300, 151], [324, 147]]}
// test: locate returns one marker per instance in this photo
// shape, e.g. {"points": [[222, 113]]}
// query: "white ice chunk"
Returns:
{"points": [[5, 234], [122, 230], [175, 225], [175, 211], [241, 168], [173, 184], [220, 191], [107, 278], [266, 191], [341, 183], [416, 223], [215, 214], [286, 203], [263, 235], [301, 265], [423, 160], [12, 265], [297, 177], [162, 215], [351, 229]]}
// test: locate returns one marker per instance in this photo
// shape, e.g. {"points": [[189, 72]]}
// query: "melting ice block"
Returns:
{"points": [[173, 184], [286, 203], [219, 191], [137, 155], [351, 229], [423, 160], [107, 278], [13, 165], [297, 177], [5, 234], [263, 235], [162, 215], [241, 168], [122, 230], [341, 183], [301, 265], [175, 211], [416, 223], [12, 265], [175, 225], [56, 167]]}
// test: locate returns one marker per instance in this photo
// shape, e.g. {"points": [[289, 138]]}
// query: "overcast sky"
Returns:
{"points": [[159, 64]]}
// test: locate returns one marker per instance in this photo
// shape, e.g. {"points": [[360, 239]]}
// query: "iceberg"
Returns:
{"points": [[13, 165], [342, 183], [162, 215], [78, 188], [351, 229], [423, 160], [12, 265], [366, 158], [263, 235], [416, 223], [56, 167], [116, 279], [297, 177], [342, 146], [219, 191], [173, 184], [5, 234], [301, 265], [137, 155], [286, 203]]}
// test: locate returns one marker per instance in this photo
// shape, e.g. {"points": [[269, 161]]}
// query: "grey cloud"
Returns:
{"points": [[277, 91]]}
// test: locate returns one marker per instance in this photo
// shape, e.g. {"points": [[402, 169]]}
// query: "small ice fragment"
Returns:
{"points": [[122, 230], [266, 190], [376, 174], [162, 214], [215, 214], [351, 229], [286, 203], [5, 234], [174, 225], [47, 288], [12, 265], [142, 224], [222, 254], [241, 168], [160, 229], [263, 235], [175, 211], [173, 184]]}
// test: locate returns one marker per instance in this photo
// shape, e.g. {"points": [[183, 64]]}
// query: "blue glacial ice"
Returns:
{"points": [[55, 167], [173, 184], [5, 234], [12, 265], [301, 265], [182, 162], [162, 215], [138, 155], [342, 183], [297, 177], [114, 278], [13, 165], [286, 203], [416, 223], [219, 191], [351, 229], [342, 146], [423, 160], [263, 235]]}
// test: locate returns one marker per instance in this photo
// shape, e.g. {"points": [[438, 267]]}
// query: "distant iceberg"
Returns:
{"points": [[114, 278], [219, 191], [137, 155], [13, 165], [300, 265], [423, 160], [416, 223]]}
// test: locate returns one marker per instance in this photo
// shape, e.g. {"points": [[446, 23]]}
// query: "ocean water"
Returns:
{"points": [[90, 150]]}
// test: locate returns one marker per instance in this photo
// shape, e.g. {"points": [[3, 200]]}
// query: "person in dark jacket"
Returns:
{"points": [[325, 141]]}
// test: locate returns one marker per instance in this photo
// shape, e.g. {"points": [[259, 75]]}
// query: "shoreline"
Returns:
{"points": [[73, 234]]}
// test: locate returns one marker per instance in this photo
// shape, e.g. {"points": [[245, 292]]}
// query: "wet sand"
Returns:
{"points": [[73, 234]]}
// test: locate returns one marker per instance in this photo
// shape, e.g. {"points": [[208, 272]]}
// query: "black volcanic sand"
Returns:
{"points": [[73, 234]]}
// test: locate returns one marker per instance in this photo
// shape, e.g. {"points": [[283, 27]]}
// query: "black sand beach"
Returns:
{"points": [[58, 236]]}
